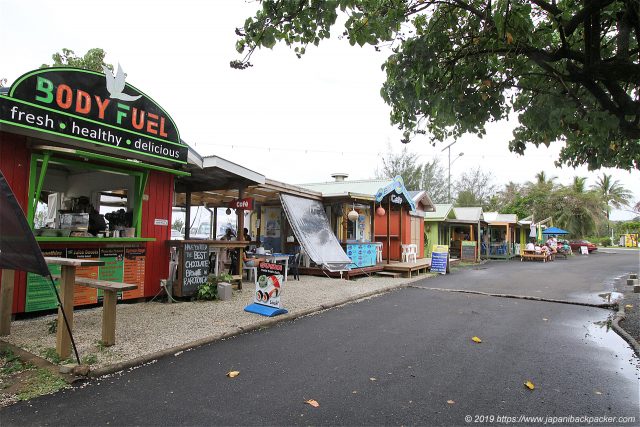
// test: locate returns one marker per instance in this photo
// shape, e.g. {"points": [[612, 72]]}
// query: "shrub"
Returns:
{"points": [[209, 291]]}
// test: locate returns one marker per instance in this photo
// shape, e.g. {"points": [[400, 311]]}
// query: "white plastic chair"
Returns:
{"points": [[409, 253], [379, 252]]}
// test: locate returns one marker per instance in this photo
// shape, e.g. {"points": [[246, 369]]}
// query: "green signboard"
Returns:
{"points": [[95, 108], [40, 294]]}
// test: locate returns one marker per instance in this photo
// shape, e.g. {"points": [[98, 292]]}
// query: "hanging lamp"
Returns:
{"points": [[353, 215], [380, 210]]}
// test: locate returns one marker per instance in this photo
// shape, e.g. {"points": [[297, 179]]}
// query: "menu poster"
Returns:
{"points": [[112, 270], [40, 294], [269, 284], [195, 270], [133, 271], [83, 295], [439, 259]]}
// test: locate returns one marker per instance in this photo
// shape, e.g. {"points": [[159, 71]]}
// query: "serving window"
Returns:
{"points": [[80, 199]]}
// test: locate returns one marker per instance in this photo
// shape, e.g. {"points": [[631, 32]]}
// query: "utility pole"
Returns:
{"points": [[448, 148]]}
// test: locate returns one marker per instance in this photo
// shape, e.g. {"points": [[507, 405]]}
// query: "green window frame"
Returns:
{"points": [[36, 181]]}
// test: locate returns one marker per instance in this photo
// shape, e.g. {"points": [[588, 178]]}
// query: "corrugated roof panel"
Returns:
{"points": [[369, 186], [441, 212], [469, 214]]}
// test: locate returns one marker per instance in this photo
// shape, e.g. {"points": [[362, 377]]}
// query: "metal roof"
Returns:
{"points": [[343, 188], [469, 214], [495, 217], [442, 212]]}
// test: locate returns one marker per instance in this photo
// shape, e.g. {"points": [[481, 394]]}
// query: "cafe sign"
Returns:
{"points": [[397, 193], [246, 204], [95, 108]]}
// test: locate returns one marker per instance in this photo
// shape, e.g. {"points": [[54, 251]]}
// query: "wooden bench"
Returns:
{"points": [[109, 301], [533, 256]]}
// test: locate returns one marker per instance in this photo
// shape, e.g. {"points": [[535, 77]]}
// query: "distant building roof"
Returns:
{"points": [[469, 214], [344, 188], [442, 212], [495, 217], [423, 198]]}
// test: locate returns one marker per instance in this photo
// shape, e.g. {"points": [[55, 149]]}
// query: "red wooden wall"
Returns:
{"points": [[15, 160], [381, 233], [15, 164], [158, 203]]}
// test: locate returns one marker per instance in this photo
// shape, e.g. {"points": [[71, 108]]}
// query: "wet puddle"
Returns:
{"points": [[611, 297], [600, 333]]}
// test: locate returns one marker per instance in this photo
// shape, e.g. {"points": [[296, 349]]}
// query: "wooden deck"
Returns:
{"points": [[408, 268], [364, 271]]}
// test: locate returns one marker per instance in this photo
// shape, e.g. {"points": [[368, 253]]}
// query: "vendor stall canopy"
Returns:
{"points": [[554, 230]]}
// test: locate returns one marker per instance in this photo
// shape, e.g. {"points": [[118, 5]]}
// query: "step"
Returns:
{"points": [[389, 274]]}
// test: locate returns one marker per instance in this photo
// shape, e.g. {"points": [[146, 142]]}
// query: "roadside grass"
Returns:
{"points": [[43, 382], [23, 381]]}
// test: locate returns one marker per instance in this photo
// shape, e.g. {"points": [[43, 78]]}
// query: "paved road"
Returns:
{"points": [[580, 278], [416, 344]]}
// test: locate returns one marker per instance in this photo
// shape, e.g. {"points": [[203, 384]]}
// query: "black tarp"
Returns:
{"points": [[18, 248]]}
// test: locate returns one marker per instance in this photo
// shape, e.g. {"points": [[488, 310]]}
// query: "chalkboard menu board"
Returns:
{"points": [[195, 267], [468, 251]]}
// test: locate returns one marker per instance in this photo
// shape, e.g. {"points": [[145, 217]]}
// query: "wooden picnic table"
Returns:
{"points": [[67, 282]]}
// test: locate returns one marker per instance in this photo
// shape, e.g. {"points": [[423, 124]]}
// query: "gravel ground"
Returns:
{"points": [[631, 303], [146, 328]]}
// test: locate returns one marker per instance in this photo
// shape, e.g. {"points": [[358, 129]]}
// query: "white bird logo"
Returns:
{"points": [[115, 85]]}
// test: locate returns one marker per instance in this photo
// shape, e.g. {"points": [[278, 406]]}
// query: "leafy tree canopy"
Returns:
{"points": [[429, 176], [475, 188], [570, 69], [92, 60]]}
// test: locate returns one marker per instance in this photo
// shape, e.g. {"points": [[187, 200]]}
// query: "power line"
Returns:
{"points": [[299, 150]]}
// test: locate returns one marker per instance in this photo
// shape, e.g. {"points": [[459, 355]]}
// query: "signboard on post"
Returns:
{"points": [[266, 300], [195, 270], [440, 259], [468, 252]]}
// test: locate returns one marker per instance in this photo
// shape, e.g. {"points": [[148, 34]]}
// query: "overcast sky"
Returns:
{"points": [[293, 120]]}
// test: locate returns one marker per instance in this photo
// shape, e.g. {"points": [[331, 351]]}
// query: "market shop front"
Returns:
{"points": [[91, 160]]}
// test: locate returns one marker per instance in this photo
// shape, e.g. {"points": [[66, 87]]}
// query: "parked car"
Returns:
{"points": [[575, 245]]}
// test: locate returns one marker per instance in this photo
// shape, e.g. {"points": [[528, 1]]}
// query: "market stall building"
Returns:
{"points": [[436, 226], [92, 161], [504, 240], [467, 233], [374, 219]]}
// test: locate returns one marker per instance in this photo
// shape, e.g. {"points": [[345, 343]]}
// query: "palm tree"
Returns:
{"points": [[612, 193], [541, 178], [579, 184], [577, 209]]}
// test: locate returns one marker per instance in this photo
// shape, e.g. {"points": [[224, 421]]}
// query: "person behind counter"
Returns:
{"points": [[252, 262], [229, 235]]}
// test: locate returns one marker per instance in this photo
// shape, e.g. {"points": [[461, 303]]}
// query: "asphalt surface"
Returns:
{"points": [[579, 278], [396, 359]]}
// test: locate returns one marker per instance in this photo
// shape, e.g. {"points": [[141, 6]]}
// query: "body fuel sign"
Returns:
{"points": [[96, 108]]}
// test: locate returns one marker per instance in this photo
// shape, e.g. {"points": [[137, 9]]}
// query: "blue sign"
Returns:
{"points": [[439, 258]]}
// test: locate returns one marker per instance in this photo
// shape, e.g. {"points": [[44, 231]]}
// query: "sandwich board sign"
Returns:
{"points": [[584, 250], [439, 259], [268, 293]]}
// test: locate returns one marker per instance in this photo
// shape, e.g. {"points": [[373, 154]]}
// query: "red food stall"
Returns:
{"points": [[92, 161]]}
